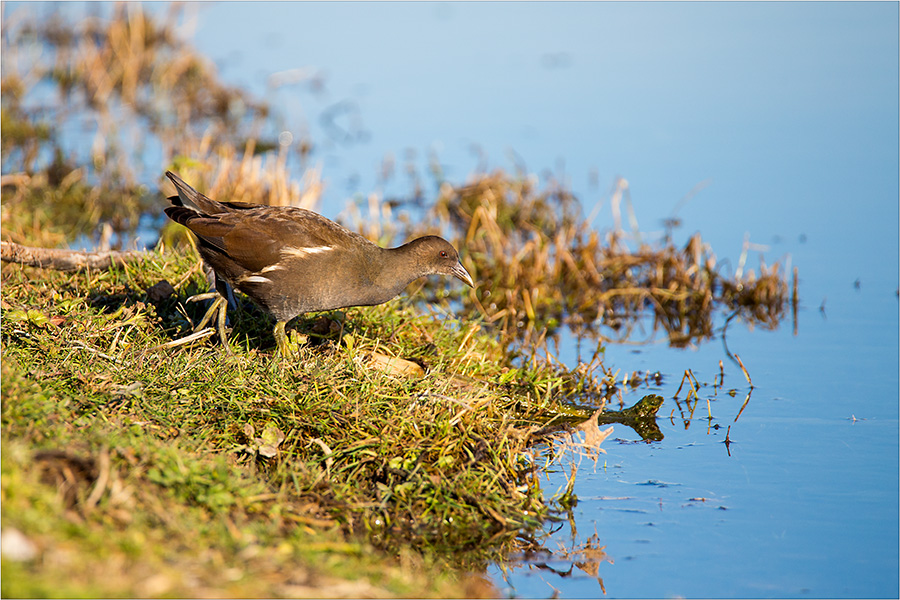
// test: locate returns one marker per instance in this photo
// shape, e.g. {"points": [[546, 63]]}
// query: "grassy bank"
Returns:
{"points": [[151, 470]]}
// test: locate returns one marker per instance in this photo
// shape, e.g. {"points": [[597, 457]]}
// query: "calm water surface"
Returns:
{"points": [[806, 503], [788, 116], [789, 113]]}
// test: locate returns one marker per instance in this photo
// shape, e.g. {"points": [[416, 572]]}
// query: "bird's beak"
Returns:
{"points": [[460, 273]]}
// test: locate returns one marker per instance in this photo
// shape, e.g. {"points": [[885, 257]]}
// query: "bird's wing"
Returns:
{"points": [[191, 198], [258, 237]]}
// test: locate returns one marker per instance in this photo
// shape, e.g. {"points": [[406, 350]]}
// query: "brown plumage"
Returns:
{"points": [[292, 261]]}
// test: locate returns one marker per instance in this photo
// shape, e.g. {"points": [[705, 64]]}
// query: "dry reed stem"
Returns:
{"points": [[744, 405], [744, 370]]}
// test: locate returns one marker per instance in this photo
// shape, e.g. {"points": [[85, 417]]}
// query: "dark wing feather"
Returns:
{"points": [[225, 235], [210, 230], [191, 198]]}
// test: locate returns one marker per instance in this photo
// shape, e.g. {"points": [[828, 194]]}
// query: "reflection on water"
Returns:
{"points": [[745, 481], [540, 264], [586, 557]]}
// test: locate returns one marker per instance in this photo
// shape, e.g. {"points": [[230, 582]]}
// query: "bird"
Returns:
{"points": [[292, 261]]}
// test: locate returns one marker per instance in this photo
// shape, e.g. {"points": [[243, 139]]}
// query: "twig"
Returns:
{"points": [[683, 377], [746, 374], [95, 352], [692, 379], [102, 481], [66, 260], [744, 405], [194, 337]]}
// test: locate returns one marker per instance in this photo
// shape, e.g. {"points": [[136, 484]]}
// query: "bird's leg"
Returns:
{"points": [[226, 299], [218, 308], [218, 301], [220, 322], [281, 339]]}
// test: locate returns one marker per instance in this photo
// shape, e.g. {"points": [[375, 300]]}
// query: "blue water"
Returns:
{"points": [[786, 114], [806, 503]]}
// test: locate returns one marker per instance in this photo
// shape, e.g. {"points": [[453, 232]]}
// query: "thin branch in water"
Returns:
{"points": [[744, 369], [744, 405], [678, 391], [692, 379], [728, 440]]}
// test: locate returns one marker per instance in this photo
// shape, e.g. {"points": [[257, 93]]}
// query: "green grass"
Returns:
{"points": [[143, 470]]}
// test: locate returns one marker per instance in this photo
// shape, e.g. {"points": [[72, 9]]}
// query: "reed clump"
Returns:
{"points": [[242, 175], [539, 266], [147, 99]]}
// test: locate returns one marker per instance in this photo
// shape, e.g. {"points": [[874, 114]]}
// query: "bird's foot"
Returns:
{"points": [[288, 344], [281, 340], [218, 309]]}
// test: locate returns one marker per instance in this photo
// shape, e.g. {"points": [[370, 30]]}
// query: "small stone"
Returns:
{"points": [[160, 291], [15, 546], [395, 366]]}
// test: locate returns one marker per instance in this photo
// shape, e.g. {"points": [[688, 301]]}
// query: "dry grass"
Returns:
{"points": [[142, 87], [226, 173], [539, 265]]}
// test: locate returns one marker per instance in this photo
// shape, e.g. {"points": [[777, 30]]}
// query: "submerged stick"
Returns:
{"points": [[66, 260], [744, 405], [678, 391], [744, 369]]}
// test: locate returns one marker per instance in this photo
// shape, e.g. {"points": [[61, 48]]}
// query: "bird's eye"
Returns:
{"points": [[444, 254]]}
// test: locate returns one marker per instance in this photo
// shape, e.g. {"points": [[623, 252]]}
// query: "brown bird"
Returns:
{"points": [[292, 261]]}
